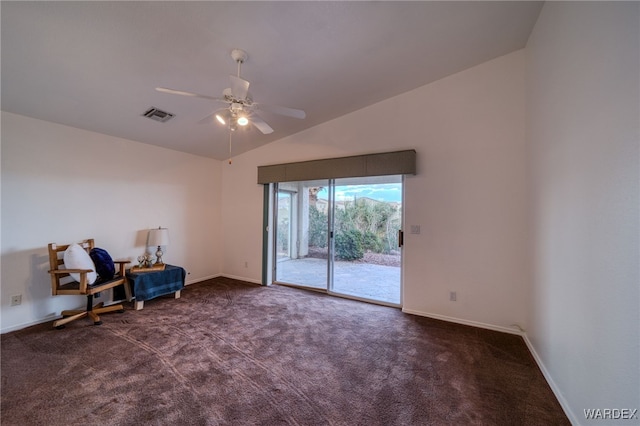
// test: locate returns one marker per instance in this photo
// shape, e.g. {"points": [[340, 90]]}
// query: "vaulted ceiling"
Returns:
{"points": [[95, 65]]}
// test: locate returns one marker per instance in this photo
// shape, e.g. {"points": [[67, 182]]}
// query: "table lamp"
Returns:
{"points": [[158, 237]]}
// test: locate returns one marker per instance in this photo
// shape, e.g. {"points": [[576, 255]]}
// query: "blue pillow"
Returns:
{"points": [[104, 264]]}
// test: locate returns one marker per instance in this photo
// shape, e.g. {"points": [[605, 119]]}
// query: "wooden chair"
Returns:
{"points": [[62, 283]]}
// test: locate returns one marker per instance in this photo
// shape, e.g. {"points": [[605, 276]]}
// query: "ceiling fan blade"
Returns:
{"points": [[183, 93], [260, 124], [211, 118], [280, 110], [239, 87], [206, 120]]}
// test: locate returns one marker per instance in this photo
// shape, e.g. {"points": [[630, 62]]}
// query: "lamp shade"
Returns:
{"points": [[158, 237]]}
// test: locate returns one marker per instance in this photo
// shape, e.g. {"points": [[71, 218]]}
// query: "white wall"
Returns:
{"points": [[583, 96], [468, 196], [61, 184]]}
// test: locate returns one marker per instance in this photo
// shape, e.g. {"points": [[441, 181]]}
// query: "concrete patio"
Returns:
{"points": [[363, 280]]}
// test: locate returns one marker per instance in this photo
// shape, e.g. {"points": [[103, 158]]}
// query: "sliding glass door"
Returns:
{"points": [[302, 225], [366, 255], [341, 236]]}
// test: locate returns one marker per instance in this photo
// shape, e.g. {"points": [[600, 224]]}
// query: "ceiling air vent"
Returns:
{"points": [[158, 115]]}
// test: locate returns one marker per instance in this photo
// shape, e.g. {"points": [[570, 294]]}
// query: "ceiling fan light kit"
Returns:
{"points": [[242, 120], [240, 110]]}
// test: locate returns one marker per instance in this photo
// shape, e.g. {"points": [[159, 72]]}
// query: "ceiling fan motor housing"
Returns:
{"points": [[239, 109], [239, 55]]}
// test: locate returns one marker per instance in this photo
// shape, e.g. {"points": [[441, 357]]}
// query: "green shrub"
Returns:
{"points": [[348, 245], [371, 242], [317, 228]]}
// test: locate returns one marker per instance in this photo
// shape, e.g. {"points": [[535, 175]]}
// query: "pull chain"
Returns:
{"points": [[230, 146]]}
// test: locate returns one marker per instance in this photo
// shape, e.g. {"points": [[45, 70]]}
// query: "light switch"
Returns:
{"points": [[415, 229]]}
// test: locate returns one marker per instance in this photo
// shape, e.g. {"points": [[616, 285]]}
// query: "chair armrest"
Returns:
{"points": [[67, 271], [83, 276], [121, 264]]}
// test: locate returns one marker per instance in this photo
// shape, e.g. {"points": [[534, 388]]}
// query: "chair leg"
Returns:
{"points": [[111, 308], [61, 322], [95, 318], [72, 312], [91, 312]]}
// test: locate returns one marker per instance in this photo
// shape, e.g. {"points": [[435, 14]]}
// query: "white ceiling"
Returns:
{"points": [[94, 65]]}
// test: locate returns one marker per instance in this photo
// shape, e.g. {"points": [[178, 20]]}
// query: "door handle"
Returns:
{"points": [[400, 238]]}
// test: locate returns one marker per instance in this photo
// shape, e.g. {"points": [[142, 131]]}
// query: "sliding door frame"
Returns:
{"points": [[330, 234], [369, 165], [328, 287]]}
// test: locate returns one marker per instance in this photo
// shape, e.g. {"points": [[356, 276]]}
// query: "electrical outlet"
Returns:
{"points": [[453, 296], [16, 300]]}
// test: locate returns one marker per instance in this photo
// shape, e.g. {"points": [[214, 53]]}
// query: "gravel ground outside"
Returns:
{"points": [[369, 257]]}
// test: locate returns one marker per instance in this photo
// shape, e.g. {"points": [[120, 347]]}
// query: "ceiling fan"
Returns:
{"points": [[241, 109]]}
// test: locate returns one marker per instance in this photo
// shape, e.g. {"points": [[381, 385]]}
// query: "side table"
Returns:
{"points": [[148, 285]]}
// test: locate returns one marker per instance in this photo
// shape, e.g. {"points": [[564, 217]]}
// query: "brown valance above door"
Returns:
{"points": [[382, 164]]}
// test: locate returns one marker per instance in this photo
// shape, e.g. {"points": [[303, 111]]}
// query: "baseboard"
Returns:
{"points": [[209, 277], [511, 330], [17, 327], [235, 277], [556, 391]]}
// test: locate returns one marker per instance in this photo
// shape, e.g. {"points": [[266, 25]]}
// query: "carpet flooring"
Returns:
{"points": [[233, 353]]}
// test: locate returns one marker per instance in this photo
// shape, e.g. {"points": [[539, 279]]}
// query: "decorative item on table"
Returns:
{"points": [[158, 237], [145, 260], [145, 264]]}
